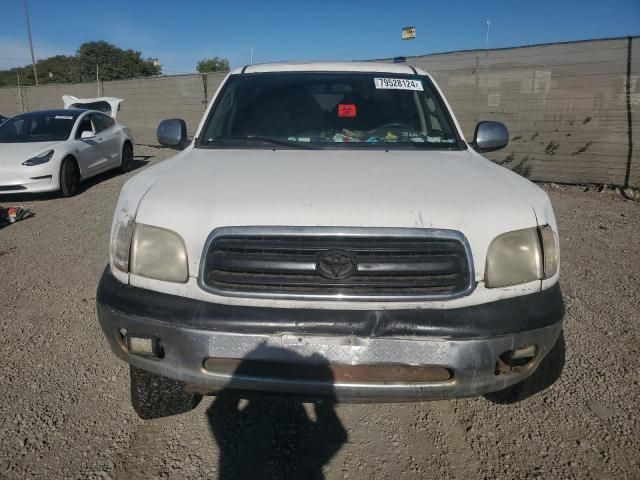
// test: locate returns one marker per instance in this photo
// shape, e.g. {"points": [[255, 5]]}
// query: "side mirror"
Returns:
{"points": [[489, 137], [172, 133], [87, 134]]}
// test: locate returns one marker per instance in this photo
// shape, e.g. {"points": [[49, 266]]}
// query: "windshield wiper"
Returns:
{"points": [[275, 141]]}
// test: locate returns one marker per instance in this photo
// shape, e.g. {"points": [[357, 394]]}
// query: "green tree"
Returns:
{"points": [[113, 63], [215, 64], [9, 78], [59, 69]]}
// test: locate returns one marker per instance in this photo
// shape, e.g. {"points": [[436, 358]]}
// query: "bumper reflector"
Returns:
{"points": [[147, 346]]}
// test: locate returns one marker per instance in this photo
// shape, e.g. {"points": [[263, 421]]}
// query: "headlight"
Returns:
{"points": [[37, 160], [518, 257], [158, 253]]}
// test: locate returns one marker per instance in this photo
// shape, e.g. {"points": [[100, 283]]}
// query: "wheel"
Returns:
{"points": [[545, 375], [69, 177], [153, 396], [127, 158]]}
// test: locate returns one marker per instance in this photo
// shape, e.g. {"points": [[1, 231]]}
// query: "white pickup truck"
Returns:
{"points": [[329, 232]]}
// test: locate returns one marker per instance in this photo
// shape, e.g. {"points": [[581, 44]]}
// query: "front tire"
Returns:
{"points": [[153, 396], [545, 375], [69, 177], [127, 158]]}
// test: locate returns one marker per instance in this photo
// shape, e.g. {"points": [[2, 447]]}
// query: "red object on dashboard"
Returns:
{"points": [[346, 110]]}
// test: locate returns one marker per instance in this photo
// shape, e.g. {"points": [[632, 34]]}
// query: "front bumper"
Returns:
{"points": [[20, 179], [465, 341]]}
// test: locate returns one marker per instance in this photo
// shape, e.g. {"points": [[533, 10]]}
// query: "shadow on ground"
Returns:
{"points": [[274, 438], [139, 161]]}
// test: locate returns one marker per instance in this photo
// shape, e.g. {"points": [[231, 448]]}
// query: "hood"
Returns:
{"points": [[16, 153], [207, 189]]}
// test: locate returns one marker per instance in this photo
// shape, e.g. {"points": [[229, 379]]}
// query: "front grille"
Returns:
{"points": [[11, 188], [380, 265]]}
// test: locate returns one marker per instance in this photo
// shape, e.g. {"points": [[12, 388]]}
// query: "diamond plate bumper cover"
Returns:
{"points": [[472, 360]]}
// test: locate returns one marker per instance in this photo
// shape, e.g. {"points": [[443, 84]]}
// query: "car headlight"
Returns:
{"points": [[158, 253], [521, 256], [39, 159]]}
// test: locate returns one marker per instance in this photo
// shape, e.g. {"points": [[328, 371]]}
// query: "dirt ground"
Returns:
{"points": [[64, 397]]}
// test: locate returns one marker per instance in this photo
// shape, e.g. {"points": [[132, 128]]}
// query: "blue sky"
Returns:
{"points": [[181, 32]]}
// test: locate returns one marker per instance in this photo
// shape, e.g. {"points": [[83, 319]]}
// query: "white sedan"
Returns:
{"points": [[53, 150]]}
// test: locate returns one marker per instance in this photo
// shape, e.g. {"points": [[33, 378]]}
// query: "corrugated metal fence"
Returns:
{"points": [[569, 107]]}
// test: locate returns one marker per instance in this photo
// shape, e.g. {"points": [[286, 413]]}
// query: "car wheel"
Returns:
{"points": [[153, 396], [127, 158], [545, 375], [69, 177]]}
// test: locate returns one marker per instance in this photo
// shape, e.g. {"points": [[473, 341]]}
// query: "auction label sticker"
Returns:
{"points": [[398, 84]]}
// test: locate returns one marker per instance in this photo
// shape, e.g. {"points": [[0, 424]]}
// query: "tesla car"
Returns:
{"points": [[2, 119], [54, 150]]}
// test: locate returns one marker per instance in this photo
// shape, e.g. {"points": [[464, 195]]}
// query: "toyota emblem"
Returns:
{"points": [[336, 265]]}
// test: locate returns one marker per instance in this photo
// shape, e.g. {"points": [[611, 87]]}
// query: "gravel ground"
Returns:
{"points": [[64, 401]]}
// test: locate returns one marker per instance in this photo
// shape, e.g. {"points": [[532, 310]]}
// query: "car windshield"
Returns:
{"points": [[41, 127], [329, 110]]}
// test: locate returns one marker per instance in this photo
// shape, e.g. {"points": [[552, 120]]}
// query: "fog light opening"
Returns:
{"points": [[515, 360], [144, 346]]}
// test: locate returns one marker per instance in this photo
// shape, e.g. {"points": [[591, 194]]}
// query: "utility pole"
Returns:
{"points": [[33, 57], [486, 41], [98, 79], [251, 55]]}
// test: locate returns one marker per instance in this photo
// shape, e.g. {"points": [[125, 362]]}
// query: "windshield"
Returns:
{"points": [[44, 127], [329, 110]]}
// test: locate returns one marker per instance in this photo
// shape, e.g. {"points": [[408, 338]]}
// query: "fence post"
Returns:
{"points": [[627, 92], [19, 99], [205, 102]]}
